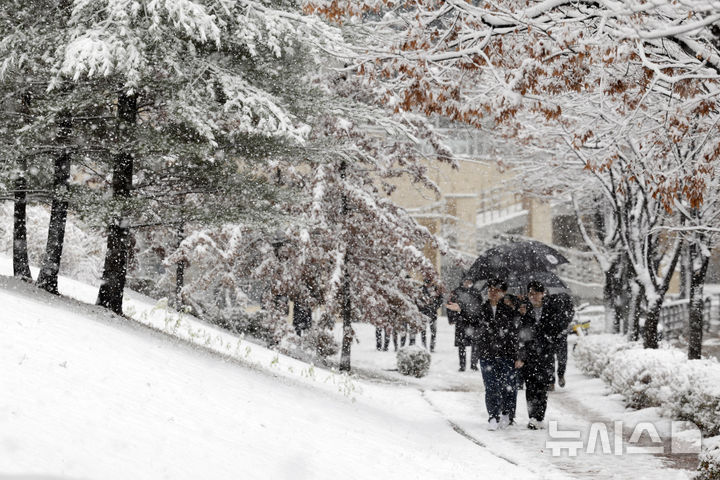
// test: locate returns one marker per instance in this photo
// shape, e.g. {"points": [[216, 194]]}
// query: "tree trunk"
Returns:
{"points": [[695, 326], [635, 312], [48, 278], [686, 272], [615, 296], [612, 321], [652, 318], [346, 302], [179, 271], [622, 297], [347, 326], [116, 259], [21, 262], [653, 315]]}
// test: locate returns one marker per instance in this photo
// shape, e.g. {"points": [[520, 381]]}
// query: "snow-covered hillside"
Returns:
{"points": [[86, 394]]}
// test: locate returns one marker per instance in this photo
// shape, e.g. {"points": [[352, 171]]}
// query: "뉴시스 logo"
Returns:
{"points": [[644, 438]]}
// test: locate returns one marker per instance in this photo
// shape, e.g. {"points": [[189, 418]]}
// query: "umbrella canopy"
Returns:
{"points": [[517, 284], [515, 258]]}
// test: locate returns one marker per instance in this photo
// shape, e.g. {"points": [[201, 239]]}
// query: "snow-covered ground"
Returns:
{"points": [[88, 395]]}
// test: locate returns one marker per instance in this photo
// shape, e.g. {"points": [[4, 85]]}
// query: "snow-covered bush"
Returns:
{"points": [[695, 395], [709, 467], [594, 352], [256, 324], [413, 360], [683, 389], [644, 376], [319, 341]]}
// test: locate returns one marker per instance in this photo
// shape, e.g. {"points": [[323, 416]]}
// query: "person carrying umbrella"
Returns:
{"points": [[498, 349], [537, 349]]}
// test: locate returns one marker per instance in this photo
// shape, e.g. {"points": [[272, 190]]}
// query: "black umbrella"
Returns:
{"points": [[517, 283], [515, 258]]}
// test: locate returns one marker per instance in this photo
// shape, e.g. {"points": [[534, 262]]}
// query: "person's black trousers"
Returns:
{"points": [[474, 357], [536, 391], [433, 334], [380, 343], [561, 353]]}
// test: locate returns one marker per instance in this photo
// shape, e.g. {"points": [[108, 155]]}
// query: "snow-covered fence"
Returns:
{"points": [[496, 204], [675, 314]]}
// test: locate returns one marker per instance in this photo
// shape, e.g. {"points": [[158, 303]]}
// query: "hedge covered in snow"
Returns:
{"points": [[709, 468], [593, 353], [682, 389], [413, 360]]}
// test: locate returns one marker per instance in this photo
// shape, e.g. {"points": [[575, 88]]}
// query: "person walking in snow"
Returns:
{"points": [[562, 303], [463, 312], [516, 304], [496, 337], [382, 338], [302, 317], [428, 304], [537, 348]]}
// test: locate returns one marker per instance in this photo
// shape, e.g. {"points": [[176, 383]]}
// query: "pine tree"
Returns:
{"points": [[182, 76]]}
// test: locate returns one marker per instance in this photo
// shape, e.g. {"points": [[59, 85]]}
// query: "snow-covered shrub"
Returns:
{"points": [[413, 360], [644, 376], [695, 395], [256, 324], [683, 389], [320, 341], [709, 467], [592, 353]]}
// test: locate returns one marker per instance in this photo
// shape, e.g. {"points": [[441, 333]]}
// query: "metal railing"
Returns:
{"points": [[675, 316], [497, 203]]}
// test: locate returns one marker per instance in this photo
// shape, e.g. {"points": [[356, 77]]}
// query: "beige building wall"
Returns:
{"points": [[473, 188], [539, 225]]}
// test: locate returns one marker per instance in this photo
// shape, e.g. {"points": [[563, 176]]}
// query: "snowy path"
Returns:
{"points": [[458, 397]]}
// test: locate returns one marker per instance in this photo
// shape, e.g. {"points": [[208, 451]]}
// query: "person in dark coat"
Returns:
{"points": [[382, 338], [497, 346], [563, 304], [538, 333], [403, 336], [463, 311], [515, 303], [522, 308], [302, 317], [428, 304]]}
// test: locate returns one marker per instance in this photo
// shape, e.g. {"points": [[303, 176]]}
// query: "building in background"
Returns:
{"points": [[478, 208]]}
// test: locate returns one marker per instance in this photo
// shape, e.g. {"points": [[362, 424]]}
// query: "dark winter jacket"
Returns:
{"points": [[429, 302], [470, 301], [562, 304], [538, 341], [496, 336], [302, 316]]}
